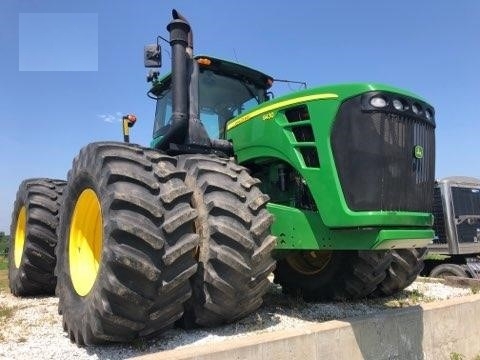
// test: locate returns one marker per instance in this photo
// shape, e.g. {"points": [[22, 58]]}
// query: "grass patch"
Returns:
{"points": [[3, 280], [6, 312], [408, 298], [3, 262], [475, 290]]}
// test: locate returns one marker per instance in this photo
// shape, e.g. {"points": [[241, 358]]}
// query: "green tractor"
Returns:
{"points": [[330, 188]]}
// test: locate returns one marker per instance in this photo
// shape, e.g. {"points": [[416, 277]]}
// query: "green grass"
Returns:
{"points": [[456, 356], [6, 312], [3, 262]]}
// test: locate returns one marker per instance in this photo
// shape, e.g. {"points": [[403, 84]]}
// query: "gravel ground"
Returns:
{"points": [[33, 328]]}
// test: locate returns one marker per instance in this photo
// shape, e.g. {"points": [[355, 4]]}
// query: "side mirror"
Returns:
{"points": [[152, 56]]}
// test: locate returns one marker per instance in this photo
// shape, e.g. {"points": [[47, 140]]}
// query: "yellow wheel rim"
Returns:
{"points": [[85, 242], [309, 262], [20, 232]]}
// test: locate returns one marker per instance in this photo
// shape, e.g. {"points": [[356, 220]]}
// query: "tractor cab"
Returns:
{"points": [[225, 90]]}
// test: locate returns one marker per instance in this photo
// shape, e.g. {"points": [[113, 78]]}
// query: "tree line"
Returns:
{"points": [[4, 240]]}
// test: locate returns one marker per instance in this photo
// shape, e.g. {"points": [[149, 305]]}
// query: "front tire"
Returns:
{"points": [[332, 275], [235, 251], [33, 237], [127, 247], [406, 265]]}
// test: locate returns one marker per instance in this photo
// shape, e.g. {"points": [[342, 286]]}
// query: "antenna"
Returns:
{"points": [[302, 83], [235, 54]]}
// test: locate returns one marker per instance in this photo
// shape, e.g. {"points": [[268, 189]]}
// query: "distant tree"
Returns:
{"points": [[4, 240]]}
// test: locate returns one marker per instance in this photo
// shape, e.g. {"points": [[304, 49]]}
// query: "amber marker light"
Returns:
{"points": [[204, 62]]}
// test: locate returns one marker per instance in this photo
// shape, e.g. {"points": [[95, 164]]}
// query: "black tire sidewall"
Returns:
{"points": [[77, 304], [14, 273], [41, 198]]}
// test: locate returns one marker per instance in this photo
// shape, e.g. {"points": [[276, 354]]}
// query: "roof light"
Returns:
{"points": [[204, 61]]}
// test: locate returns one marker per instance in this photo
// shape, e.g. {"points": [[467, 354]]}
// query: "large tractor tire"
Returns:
{"points": [[332, 275], [126, 244], [33, 237], [235, 251], [406, 265]]}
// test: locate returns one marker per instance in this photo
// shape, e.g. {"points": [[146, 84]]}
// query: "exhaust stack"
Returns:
{"points": [[186, 133], [179, 30]]}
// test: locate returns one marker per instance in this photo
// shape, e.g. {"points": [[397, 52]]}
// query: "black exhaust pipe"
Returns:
{"points": [[179, 30], [186, 133]]}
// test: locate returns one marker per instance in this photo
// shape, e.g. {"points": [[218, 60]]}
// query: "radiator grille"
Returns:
{"points": [[374, 157]]}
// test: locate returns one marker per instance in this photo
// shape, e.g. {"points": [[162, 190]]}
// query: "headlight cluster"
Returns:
{"points": [[391, 102]]}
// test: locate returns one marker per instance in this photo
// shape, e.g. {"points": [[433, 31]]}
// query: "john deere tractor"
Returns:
{"points": [[332, 185]]}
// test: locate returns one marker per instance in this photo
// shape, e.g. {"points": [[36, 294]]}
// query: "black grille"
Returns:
{"points": [[466, 203], [468, 233], [439, 216], [374, 157]]}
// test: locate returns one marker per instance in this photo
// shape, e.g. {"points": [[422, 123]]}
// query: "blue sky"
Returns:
{"points": [[68, 70]]}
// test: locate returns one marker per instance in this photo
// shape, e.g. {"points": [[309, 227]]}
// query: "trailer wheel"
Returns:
{"points": [[234, 255], [126, 249], [444, 270], [332, 275], [406, 265], [33, 237]]}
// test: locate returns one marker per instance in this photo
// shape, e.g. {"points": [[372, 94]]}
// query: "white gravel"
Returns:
{"points": [[34, 330]]}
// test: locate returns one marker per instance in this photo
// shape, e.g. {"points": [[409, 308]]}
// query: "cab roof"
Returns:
{"points": [[222, 67]]}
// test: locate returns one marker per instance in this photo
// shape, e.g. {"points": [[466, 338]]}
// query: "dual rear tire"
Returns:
{"points": [[234, 253], [33, 239], [143, 239], [126, 249]]}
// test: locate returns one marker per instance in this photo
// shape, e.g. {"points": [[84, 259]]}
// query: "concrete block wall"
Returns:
{"points": [[431, 331]]}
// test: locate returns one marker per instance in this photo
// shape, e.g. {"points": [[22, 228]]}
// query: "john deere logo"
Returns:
{"points": [[418, 151]]}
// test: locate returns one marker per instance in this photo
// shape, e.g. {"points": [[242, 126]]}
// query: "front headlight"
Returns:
{"points": [[378, 102], [428, 114], [398, 104], [416, 108]]}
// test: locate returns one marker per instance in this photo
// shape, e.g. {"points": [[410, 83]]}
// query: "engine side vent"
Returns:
{"points": [[303, 133], [297, 113], [310, 156]]}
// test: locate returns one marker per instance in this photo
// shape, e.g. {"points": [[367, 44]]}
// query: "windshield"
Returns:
{"points": [[466, 201], [220, 99]]}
